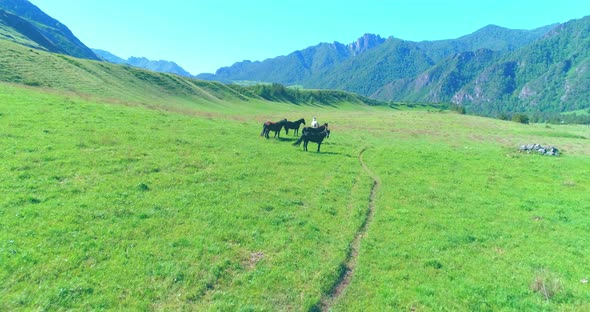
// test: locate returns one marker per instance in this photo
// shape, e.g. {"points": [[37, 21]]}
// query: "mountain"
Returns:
{"points": [[298, 66], [142, 62], [24, 23], [551, 74], [441, 81], [158, 66], [490, 37], [492, 70], [109, 57], [369, 63]]}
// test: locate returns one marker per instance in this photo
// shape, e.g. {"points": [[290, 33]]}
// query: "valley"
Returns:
{"points": [[127, 189]]}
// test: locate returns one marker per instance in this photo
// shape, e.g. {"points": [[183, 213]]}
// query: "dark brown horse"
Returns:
{"points": [[313, 136], [273, 126], [294, 125]]}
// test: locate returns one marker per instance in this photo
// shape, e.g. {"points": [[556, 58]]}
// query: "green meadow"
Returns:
{"points": [[125, 194]]}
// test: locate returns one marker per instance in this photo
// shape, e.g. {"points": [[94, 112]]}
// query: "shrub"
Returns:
{"points": [[522, 118], [143, 187]]}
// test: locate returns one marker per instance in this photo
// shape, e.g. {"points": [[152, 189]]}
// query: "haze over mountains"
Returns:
{"points": [[142, 62], [491, 71]]}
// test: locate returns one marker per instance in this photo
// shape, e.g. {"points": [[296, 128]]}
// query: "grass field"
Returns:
{"points": [[109, 206], [153, 201]]}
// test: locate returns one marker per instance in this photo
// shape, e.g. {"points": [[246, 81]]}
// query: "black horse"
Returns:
{"points": [[294, 125], [315, 130], [313, 136], [273, 126]]}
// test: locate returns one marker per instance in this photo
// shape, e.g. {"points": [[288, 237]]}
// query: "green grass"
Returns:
{"points": [[122, 190], [121, 207], [464, 223], [8, 33]]}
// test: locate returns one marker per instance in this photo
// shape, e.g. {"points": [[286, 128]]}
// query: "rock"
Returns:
{"points": [[539, 149]]}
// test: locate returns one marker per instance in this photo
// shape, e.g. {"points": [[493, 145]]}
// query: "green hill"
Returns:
{"points": [[23, 22], [110, 82]]}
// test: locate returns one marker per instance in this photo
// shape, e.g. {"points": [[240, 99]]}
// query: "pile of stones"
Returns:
{"points": [[539, 149]]}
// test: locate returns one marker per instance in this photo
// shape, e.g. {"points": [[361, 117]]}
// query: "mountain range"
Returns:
{"points": [[490, 71], [161, 66]]}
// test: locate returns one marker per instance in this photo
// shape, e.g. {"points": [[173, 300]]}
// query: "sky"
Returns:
{"points": [[204, 35]]}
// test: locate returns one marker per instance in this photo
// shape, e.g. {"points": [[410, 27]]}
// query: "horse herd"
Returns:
{"points": [[308, 134]]}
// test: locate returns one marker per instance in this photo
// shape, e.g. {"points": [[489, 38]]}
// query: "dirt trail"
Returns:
{"points": [[349, 266]]}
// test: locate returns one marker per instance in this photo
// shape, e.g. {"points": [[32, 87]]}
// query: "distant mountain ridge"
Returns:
{"points": [[490, 71], [333, 65], [550, 74], [161, 66], [24, 23]]}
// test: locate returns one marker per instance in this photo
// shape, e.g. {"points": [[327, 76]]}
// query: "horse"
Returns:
{"points": [[316, 137], [273, 126], [294, 125], [315, 130]]}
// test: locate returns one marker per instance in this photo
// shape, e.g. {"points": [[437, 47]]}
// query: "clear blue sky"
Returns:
{"points": [[204, 35]]}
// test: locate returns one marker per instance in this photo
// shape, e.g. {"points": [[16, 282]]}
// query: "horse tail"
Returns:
{"points": [[263, 128], [298, 142]]}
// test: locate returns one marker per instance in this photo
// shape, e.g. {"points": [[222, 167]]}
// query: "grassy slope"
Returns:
{"points": [[463, 222], [10, 34], [111, 206], [105, 82], [183, 205]]}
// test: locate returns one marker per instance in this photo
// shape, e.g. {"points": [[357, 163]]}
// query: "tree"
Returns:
{"points": [[522, 118]]}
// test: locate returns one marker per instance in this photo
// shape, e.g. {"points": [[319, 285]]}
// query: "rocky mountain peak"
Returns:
{"points": [[364, 43]]}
